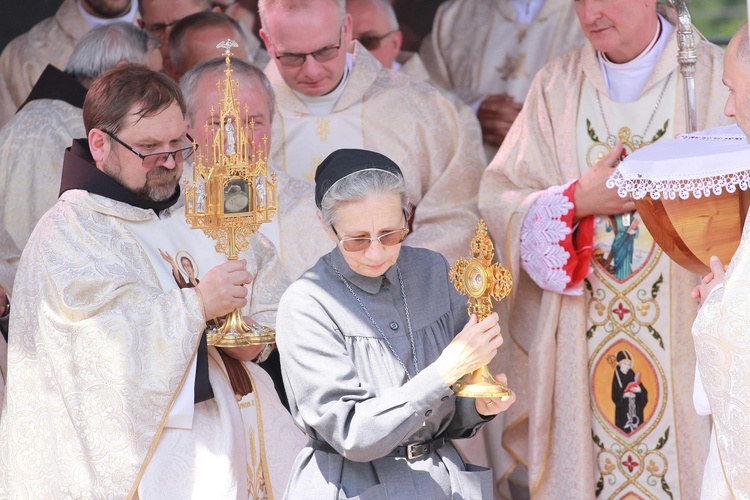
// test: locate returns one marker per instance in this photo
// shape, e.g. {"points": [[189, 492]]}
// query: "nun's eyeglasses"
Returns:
{"points": [[386, 239]]}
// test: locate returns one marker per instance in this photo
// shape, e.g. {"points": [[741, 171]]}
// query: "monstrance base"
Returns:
{"points": [[236, 333], [479, 384]]}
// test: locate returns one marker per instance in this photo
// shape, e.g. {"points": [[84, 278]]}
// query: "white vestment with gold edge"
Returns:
{"points": [[101, 365]]}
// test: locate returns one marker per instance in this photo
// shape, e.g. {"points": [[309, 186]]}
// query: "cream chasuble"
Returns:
{"points": [[476, 47], [37, 136], [85, 412], [560, 419], [436, 145], [9, 255]]}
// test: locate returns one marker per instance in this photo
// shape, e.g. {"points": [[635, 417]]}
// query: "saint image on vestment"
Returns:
{"points": [[628, 394], [622, 245], [184, 269], [625, 228], [236, 197]]}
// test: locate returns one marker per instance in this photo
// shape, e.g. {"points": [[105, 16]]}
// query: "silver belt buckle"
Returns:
{"points": [[416, 450]]}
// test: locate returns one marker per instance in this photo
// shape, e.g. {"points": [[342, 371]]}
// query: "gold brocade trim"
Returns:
{"points": [[545, 461], [261, 437], [512, 295], [282, 131], [133, 493], [509, 428]]}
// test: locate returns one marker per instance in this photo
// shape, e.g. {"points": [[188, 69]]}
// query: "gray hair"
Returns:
{"points": [[361, 185], [214, 68], [103, 47], [266, 5]]}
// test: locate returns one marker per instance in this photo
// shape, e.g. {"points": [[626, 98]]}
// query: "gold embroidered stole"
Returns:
{"points": [[628, 315]]}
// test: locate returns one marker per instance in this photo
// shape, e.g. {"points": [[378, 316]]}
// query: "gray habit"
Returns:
{"points": [[346, 387]]}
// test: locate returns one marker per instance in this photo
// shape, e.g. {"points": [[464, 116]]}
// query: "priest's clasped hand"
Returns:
{"points": [[593, 197], [223, 288], [496, 114]]}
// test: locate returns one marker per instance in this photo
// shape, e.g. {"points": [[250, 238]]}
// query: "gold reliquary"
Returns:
{"points": [[232, 193]]}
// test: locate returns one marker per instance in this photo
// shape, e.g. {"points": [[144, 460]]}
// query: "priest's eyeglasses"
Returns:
{"points": [[152, 160], [386, 239], [372, 42], [292, 60]]}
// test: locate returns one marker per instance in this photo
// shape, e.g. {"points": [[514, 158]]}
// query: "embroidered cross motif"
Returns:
{"points": [[621, 311], [630, 464]]}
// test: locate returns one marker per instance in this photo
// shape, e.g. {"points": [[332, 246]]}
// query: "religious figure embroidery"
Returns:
{"points": [[619, 262], [184, 269], [628, 394]]}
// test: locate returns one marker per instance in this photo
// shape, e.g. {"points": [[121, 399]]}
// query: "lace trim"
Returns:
{"points": [[542, 231], [682, 188]]}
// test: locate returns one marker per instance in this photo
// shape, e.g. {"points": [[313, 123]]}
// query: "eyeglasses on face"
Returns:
{"points": [[292, 60], [362, 243], [152, 160], [372, 42]]}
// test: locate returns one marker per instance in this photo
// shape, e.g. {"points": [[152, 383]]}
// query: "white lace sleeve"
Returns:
{"points": [[542, 233]]}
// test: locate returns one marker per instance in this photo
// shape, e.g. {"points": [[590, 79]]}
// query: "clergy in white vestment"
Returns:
{"points": [[51, 41], [9, 255], [295, 199], [375, 27], [602, 356], [488, 51], [33, 142], [111, 390], [721, 328], [329, 98]]}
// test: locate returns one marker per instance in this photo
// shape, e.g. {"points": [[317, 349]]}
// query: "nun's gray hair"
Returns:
{"points": [[359, 186]]}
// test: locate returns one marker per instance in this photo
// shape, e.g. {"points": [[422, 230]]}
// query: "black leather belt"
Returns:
{"points": [[408, 451]]}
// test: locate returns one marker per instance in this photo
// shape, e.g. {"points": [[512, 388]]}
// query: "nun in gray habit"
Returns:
{"points": [[371, 338]]}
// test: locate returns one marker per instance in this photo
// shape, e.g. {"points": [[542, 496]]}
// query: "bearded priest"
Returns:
{"points": [[112, 391]]}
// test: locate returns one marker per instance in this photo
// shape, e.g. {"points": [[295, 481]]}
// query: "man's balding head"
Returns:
{"points": [[737, 78], [375, 25], [308, 41], [194, 38]]}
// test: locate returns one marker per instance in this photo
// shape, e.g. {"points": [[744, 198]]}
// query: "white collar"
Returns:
{"points": [[95, 22], [526, 10], [626, 81], [324, 104]]}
